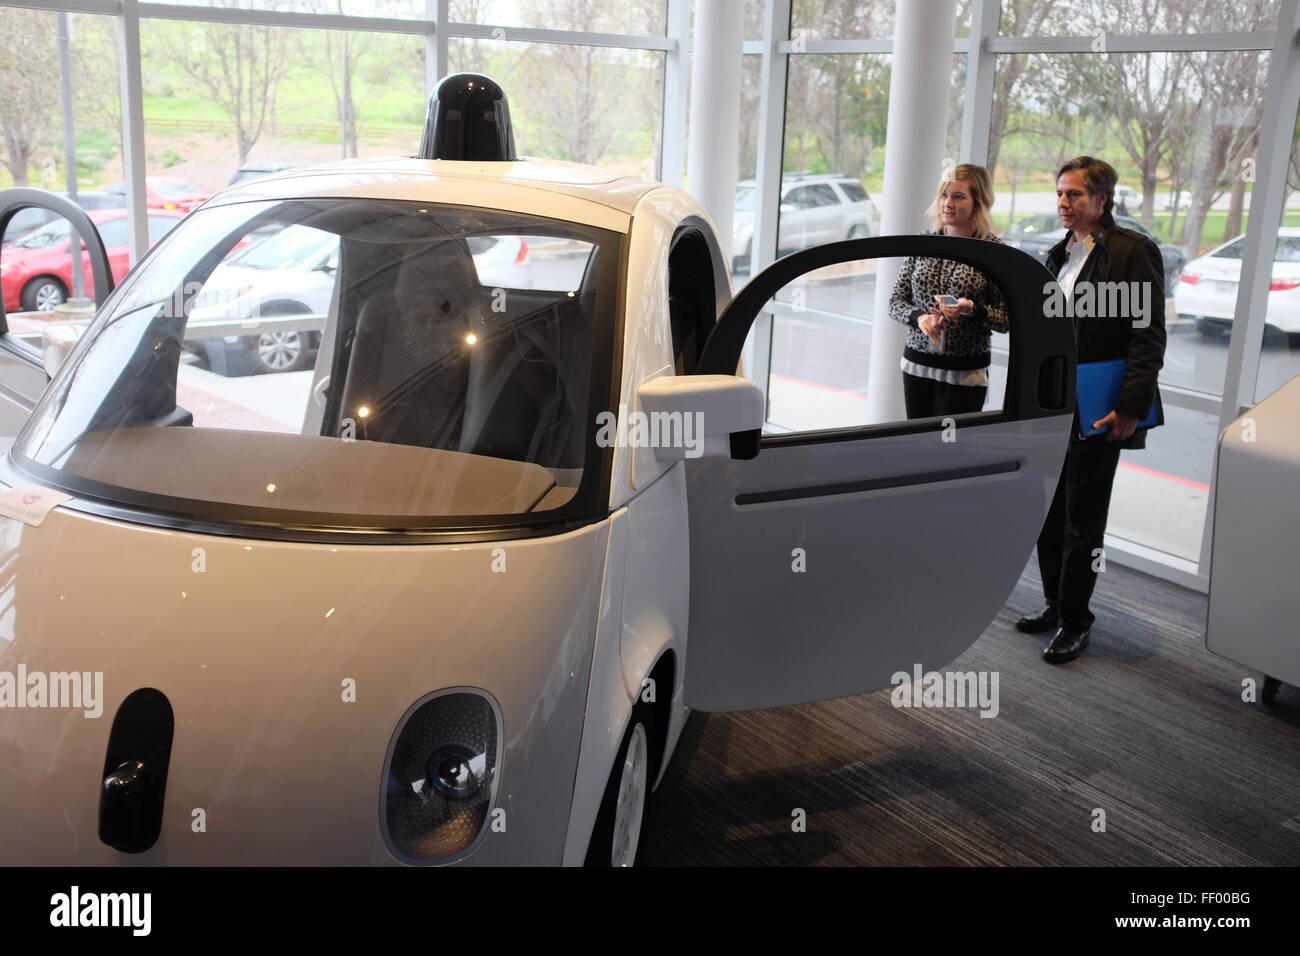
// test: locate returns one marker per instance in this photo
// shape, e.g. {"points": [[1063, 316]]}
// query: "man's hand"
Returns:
{"points": [[1121, 426]]}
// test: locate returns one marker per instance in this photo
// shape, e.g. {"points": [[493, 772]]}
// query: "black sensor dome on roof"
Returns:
{"points": [[469, 119]]}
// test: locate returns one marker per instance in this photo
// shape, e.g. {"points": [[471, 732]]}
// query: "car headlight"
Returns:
{"points": [[441, 775]]}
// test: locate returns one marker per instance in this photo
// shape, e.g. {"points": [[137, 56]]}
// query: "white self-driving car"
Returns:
{"points": [[419, 603]]}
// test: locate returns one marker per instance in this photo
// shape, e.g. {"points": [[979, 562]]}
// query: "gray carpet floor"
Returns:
{"points": [[1147, 726]]}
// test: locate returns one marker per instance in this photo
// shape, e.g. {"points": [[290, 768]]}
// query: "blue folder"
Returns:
{"points": [[1097, 387]]}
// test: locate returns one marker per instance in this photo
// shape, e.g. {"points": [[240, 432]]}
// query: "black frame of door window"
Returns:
{"points": [[1040, 368], [18, 198]]}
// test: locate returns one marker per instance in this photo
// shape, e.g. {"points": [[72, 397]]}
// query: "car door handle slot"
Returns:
{"points": [[876, 484], [134, 781], [1051, 383]]}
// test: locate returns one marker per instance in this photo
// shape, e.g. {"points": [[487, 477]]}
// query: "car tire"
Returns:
{"points": [[43, 293], [1275, 337], [1211, 328], [617, 831], [280, 352]]}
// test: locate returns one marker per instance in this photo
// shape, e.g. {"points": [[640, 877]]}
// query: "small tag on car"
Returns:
{"points": [[30, 503]]}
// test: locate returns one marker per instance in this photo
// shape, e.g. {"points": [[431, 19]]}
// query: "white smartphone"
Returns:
{"points": [[948, 300]]}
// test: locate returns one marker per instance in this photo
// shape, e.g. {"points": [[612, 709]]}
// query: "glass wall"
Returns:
{"points": [[584, 104], [854, 19], [1093, 18], [1181, 125], [1181, 129], [225, 102], [1279, 357], [635, 17], [40, 273]]}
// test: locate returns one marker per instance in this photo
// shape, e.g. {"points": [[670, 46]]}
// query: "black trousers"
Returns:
{"points": [[926, 398], [1075, 528]]}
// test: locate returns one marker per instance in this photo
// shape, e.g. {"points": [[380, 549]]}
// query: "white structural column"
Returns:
{"points": [[436, 64], [981, 62], [713, 152], [672, 140], [132, 100], [771, 133], [756, 356], [914, 145]]}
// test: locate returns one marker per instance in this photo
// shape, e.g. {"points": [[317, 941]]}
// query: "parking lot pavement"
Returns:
{"points": [[268, 403], [1157, 509]]}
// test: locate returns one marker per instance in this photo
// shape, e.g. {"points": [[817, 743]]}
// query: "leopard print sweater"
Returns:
{"points": [[966, 339]]}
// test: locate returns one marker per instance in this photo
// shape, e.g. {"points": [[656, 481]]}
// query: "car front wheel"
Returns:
{"points": [[617, 833], [43, 294], [280, 351]]}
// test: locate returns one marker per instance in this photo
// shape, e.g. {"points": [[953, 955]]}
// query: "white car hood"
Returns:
{"points": [[251, 640]]}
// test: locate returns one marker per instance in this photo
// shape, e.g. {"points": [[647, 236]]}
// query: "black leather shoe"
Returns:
{"points": [[1040, 623], [1067, 644]]}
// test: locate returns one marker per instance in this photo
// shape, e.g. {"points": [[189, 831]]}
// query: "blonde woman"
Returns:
{"points": [[946, 360]]}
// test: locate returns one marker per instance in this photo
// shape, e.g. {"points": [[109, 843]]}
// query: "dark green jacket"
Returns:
{"points": [[1121, 255]]}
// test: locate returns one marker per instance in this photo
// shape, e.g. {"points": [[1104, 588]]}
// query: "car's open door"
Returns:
{"points": [[833, 559], [22, 366]]}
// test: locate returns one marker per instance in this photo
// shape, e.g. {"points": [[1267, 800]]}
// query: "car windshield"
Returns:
{"points": [[24, 221], [745, 198], [50, 234], [1134, 225], [442, 369], [1288, 249], [174, 190], [249, 172], [853, 190], [1232, 250], [289, 248], [1037, 225]]}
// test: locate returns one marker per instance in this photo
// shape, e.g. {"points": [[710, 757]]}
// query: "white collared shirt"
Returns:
{"points": [[1073, 265]]}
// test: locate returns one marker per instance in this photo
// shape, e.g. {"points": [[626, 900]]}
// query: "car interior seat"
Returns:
{"points": [[407, 358]]}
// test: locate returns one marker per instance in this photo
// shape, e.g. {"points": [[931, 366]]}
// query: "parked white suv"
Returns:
{"points": [[814, 210]]}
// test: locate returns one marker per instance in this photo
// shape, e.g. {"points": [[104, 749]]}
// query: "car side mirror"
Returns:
{"points": [[57, 341], [787, 207], [719, 416]]}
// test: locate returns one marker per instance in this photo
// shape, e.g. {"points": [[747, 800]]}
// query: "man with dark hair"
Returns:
{"points": [[1095, 261]]}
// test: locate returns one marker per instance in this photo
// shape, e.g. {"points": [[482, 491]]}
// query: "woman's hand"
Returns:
{"points": [[963, 307], [932, 324]]}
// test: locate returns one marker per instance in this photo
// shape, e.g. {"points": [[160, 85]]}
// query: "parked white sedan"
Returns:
{"points": [[1207, 288]]}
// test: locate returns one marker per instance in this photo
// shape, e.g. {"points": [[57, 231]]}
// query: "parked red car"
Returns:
{"points": [[164, 193], [36, 268]]}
